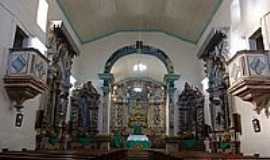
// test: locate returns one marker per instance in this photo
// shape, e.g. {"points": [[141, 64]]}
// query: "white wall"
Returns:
{"points": [[55, 13], [14, 13], [250, 13], [221, 19], [23, 14], [250, 18], [252, 142], [95, 54]]}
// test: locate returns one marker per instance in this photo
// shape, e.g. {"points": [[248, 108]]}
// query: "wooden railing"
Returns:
{"points": [[195, 155], [119, 155], [64, 155]]}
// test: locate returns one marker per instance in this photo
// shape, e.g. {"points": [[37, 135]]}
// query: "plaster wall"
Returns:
{"points": [[250, 20], [252, 142], [23, 14], [221, 19], [14, 13], [95, 54], [241, 28], [55, 13]]}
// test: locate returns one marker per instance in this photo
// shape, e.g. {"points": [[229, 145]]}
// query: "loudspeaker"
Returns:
{"points": [[19, 120]]}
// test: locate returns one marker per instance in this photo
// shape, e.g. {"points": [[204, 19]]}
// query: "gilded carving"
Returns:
{"points": [[145, 108], [55, 102]]}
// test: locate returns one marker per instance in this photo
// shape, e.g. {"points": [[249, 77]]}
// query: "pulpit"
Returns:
{"points": [[26, 74], [250, 78], [26, 77]]}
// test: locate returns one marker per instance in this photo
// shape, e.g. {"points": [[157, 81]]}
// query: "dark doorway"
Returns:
{"points": [[256, 40], [20, 36]]}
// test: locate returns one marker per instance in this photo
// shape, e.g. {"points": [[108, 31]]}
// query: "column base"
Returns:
{"points": [[172, 144], [104, 142]]}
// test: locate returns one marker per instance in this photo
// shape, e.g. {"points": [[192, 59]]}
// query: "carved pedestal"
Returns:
{"points": [[250, 78], [103, 142], [172, 144]]}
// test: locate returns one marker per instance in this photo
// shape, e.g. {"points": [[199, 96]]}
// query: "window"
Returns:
{"points": [[235, 14], [256, 40], [20, 37], [42, 14]]}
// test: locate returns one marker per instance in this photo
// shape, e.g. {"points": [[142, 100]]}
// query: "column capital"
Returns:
{"points": [[169, 80], [106, 77], [106, 89], [171, 77]]}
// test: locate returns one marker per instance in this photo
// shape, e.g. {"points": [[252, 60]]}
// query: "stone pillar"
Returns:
{"points": [[108, 80], [167, 114], [107, 84], [169, 80], [172, 145]]}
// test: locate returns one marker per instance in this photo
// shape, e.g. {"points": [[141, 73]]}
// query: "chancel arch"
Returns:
{"points": [[160, 79], [139, 48]]}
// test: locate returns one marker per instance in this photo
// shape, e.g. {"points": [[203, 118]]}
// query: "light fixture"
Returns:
{"points": [[137, 89], [115, 99], [139, 67]]}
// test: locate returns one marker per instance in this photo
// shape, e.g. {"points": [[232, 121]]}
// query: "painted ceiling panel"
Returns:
{"points": [[185, 19]]}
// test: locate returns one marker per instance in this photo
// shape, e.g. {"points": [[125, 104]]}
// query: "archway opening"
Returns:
{"points": [[138, 99], [138, 90]]}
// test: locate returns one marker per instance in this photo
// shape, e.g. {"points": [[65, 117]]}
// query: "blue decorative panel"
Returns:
{"points": [[39, 68], [18, 63], [257, 65]]}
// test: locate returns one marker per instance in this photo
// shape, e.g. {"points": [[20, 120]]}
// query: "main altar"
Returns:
{"points": [[138, 111], [137, 140]]}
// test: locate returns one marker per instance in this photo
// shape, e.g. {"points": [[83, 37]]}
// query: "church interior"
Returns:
{"points": [[134, 80]]}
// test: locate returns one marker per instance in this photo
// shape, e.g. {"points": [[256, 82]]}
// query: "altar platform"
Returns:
{"points": [[138, 142]]}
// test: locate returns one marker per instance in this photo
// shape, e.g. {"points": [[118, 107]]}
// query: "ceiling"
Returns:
{"points": [[94, 19], [123, 68]]}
